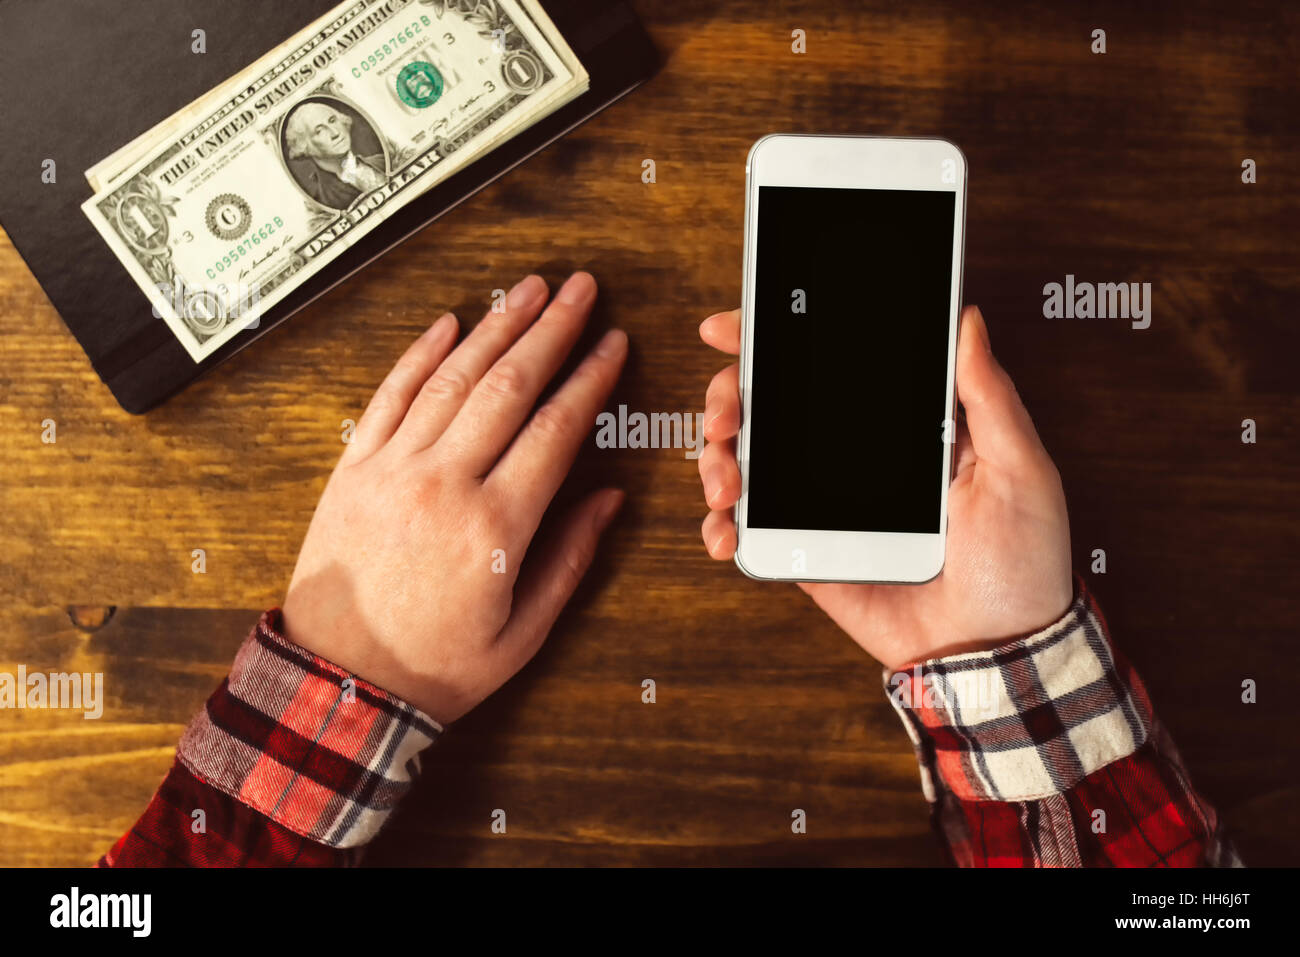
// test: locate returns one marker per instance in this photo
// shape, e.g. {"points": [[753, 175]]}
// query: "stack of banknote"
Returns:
{"points": [[225, 207]]}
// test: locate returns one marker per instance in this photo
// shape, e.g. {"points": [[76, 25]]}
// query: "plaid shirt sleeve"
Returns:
{"points": [[293, 761], [1045, 752]]}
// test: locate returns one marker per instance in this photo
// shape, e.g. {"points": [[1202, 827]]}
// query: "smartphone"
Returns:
{"points": [[849, 316]]}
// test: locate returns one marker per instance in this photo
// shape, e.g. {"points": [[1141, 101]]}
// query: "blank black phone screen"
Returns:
{"points": [[850, 358]]}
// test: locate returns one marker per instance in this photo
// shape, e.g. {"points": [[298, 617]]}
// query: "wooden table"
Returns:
{"points": [[1117, 167]]}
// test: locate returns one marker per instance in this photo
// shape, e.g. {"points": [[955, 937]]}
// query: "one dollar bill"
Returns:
{"points": [[226, 207]]}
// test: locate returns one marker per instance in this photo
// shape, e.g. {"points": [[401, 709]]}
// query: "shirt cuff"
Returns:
{"points": [[305, 743], [1027, 720]]}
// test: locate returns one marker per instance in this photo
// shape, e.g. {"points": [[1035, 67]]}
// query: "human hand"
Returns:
{"points": [[410, 575], [1007, 571]]}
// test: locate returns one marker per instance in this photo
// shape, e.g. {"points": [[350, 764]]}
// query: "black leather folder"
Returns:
{"points": [[80, 78]]}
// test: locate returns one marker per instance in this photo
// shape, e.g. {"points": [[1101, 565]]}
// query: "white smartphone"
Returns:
{"points": [[852, 291]]}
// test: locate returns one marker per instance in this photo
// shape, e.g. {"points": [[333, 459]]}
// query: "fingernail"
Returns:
{"points": [[525, 292], [713, 480], [612, 344], [984, 330], [440, 324], [711, 412], [576, 290], [608, 508]]}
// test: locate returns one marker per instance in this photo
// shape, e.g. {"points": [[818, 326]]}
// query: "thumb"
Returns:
{"points": [[1001, 430], [552, 572]]}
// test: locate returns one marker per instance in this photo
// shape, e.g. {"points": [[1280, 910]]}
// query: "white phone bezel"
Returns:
{"points": [[861, 162]]}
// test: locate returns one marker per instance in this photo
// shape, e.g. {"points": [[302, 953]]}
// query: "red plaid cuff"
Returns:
{"points": [[314, 748], [1045, 752], [1025, 721]]}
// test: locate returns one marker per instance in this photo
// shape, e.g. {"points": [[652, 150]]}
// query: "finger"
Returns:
{"points": [[532, 469], [499, 404], [552, 571], [1000, 428], [389, 405], [446, 390], [722, 404], [722, 331], [719, 532], [964, 455], [720, 474]]}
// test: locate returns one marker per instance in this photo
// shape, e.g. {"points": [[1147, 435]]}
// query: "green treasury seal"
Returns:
{"points": [[419, 84], [229, 216]]}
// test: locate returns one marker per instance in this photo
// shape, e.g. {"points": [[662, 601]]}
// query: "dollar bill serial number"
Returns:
{"points": [[246, 247], [392, 46]]}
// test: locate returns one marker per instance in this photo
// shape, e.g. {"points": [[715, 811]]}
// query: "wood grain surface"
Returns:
{"points": [[1116, 167]]}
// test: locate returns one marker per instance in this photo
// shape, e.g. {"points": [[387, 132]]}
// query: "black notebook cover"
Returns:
{"points": [[80, 78]]}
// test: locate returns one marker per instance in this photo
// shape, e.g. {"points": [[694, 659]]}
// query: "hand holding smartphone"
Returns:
{"points": [[835, 465]]}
